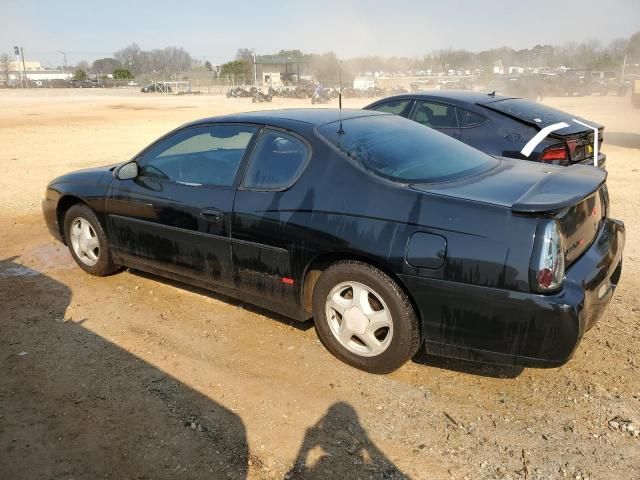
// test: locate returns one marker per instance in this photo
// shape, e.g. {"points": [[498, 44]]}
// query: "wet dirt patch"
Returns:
{"points": [[51, 256]]}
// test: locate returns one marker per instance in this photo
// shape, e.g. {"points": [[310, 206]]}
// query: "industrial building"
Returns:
{"points": [[32, 71]]}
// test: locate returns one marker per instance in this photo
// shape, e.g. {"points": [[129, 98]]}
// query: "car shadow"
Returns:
{"points": [[338, 446], [74, 405], [622, 139], [467, 366], [463, 366], [303, 326]]}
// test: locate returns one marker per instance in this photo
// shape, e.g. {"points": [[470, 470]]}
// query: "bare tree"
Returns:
{"points": [[5, 62], [167, 61], [83, 65], [130, 58]]}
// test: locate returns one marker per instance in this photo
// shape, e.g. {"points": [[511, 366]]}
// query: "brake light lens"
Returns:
{"points": [[548, 263], [553, 154]]}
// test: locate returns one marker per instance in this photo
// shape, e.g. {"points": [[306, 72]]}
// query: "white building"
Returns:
{"points": [[35, 72]]}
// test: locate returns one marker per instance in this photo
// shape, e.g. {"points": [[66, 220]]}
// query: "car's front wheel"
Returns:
{"points": [[87, 241], [364, 318]]}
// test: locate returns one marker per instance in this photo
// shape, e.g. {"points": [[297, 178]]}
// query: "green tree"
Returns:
{"points": [[122, 74], [236, 67], [80, 74], [208, 66], [105, 65]]}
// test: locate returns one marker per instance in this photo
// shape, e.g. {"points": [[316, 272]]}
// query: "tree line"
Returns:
{"points": [[591, 54], [133, 61]]}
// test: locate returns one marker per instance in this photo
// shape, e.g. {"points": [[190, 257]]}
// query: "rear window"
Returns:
{"points": [[529, 111], [394, 106], [399, 149]]}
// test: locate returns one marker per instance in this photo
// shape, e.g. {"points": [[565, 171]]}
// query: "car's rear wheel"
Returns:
{"points": [[87, 241], [364, 318]]}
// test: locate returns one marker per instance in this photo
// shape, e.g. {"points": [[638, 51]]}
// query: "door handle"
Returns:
{"points": [[214, 214]]}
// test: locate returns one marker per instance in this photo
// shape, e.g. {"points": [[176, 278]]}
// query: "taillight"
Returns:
{"points": [[547, 264], [553, 154]]}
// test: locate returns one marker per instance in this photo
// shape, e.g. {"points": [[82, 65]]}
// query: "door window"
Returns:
{"points": [[394, 106], [468, 119], [278, 161], [206, 155], [435, 115]]}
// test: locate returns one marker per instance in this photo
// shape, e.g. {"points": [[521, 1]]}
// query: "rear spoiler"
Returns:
{"points": [[561, 188]]}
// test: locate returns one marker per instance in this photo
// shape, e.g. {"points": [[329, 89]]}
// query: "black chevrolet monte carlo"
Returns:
{"points": [[389, 234]]}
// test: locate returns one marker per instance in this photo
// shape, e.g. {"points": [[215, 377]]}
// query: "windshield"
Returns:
{"points": [[399, 149]]}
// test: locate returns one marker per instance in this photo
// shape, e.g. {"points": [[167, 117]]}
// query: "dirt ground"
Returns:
{"points": [[136, 377]]}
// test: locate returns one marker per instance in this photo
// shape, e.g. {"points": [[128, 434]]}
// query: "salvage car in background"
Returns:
{"points": [[391, 235], [156, 87], [501, 125]]}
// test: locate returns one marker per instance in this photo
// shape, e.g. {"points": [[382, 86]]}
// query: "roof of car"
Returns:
{"points": [[311, 116], [458, 96]]}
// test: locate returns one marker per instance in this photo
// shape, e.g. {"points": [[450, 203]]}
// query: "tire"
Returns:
{"points": [[99, 261], [386, 303]]}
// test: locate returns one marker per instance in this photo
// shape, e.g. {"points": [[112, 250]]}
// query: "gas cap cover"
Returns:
{"points": [[426, 250]]}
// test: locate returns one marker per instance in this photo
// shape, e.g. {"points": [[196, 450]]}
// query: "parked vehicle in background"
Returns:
{"points": [[132, 83], [156, 87], [261, 97], [84, 84], [606, 82], [389, 234], [320, 95], [531, 87], [576, 82], [502, 125]]}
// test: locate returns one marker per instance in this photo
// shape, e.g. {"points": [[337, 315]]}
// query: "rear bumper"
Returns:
{"points": [[517, 328], [602, 161]]}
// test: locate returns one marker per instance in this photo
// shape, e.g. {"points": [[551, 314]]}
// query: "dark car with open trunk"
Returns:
{"points": [[503, 126], [390, 235]]}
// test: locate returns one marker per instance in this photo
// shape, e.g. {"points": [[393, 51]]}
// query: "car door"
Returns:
{"points": [[262, 239], [176, 215], [439, 116]]}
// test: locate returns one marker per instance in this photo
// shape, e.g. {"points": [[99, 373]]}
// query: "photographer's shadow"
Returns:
{"points": [[337, 446], [75, 405]]}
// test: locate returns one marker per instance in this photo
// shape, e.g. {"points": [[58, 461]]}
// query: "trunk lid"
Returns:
{"points": [[524, 187], [576, 196]]}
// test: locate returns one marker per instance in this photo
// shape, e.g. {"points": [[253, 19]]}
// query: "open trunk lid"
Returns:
{"points": [[577, 137]]}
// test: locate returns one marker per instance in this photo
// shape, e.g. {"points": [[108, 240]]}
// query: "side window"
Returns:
{"points": [[435, 115], [206, 155], [468, 119], [394, 106], [277, 162]]}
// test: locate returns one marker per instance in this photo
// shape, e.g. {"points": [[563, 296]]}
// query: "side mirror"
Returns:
{"points": [[127, 171]]}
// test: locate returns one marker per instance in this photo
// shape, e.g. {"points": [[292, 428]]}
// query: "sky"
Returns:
{"points": [[213, 30]]}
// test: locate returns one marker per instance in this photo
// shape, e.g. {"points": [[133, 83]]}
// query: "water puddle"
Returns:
{"points": [[13, 270], [49, 256]]}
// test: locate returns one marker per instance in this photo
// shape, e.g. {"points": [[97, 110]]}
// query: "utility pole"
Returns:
{"points": [[64, 57], [16, 50], [255, 70], [24, 68]]}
